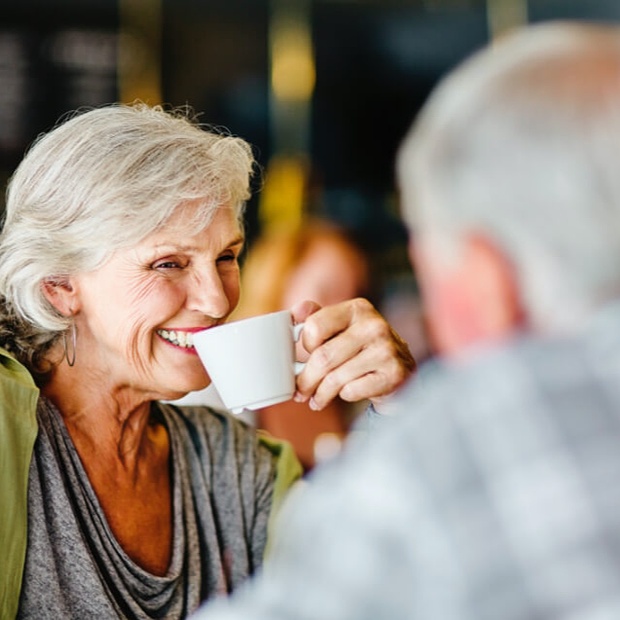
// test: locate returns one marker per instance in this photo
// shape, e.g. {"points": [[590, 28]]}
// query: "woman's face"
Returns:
{"points": [[137, 311]]}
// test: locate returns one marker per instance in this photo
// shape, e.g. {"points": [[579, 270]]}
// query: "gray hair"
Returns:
{"points": [[522, 144], [102, 180]]}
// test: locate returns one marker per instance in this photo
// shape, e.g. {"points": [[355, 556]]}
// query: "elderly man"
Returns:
{"points": [[494, 492]]}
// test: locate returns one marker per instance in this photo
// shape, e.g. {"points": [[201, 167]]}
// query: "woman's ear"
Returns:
{"points": [[61, 293]]}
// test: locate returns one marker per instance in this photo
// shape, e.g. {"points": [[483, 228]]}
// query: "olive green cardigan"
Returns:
{"points": [[18, 431]]}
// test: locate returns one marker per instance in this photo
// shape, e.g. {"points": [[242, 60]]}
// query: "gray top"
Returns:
{"points": [[222, 483]]}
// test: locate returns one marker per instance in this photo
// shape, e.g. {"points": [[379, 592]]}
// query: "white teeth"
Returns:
{"points": [[180, 339]]}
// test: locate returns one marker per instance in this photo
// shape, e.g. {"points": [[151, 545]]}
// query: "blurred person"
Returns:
{"points": [[121, 239], [492, 493], [319, 261]]}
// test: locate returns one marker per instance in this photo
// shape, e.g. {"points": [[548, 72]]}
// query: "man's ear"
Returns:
{"points": [[494, 288], [61, 293], [470, 300]]}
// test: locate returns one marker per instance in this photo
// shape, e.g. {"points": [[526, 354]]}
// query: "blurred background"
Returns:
{"points": [[323, 89]]}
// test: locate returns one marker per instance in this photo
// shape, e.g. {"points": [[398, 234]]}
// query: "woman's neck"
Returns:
{"points": [[101, 418], [126, 455]]}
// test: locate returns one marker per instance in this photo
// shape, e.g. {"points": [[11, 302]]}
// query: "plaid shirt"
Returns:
{"points": [[494, 494]]}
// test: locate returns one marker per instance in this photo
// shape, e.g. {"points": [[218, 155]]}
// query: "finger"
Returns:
{"points": [[303, 309], [371, 331], [337, 366], [376, 371], [322, 326], [330, 355], [329, 385], [332, 320], [386, 377]]}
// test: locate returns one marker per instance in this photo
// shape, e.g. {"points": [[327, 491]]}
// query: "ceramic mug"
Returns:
{"points": [[251, 362]]}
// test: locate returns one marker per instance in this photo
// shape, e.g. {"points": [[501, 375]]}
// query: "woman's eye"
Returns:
{"points": [[167, 264], [227, 258]]}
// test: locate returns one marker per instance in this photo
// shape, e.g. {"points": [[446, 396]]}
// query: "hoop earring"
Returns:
{"points": [[70, 357]]}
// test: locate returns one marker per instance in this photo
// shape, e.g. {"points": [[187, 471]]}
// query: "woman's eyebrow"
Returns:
{"points": [[176, 247], [239, 240]]}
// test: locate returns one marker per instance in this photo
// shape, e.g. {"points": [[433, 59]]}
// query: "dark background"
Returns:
{"points": [[376, 62]]}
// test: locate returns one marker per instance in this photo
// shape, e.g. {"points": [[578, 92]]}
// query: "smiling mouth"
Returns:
{"points": [[177, 338]]}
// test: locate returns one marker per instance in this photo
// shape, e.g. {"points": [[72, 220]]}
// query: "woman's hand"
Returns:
{"points": [[354, 353]]}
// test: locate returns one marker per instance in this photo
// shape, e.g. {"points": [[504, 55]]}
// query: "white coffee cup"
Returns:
{"points": [[251, 361]]}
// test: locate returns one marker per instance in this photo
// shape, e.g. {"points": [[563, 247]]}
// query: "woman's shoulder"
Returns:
{"points": [[13, 373], [18, 430], [18, 402]]}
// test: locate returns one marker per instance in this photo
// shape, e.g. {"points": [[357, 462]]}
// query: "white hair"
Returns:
{"points": [[102, 180], [522, 144]]}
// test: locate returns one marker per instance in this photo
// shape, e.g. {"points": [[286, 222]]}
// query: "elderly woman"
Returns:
{"points": [[121, 238]]}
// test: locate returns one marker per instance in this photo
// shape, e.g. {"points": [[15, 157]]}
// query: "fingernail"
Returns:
{"points": [[298, 397], [313, 405]]}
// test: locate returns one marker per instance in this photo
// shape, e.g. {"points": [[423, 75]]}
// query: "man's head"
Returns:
{"points": [[510, 181]]}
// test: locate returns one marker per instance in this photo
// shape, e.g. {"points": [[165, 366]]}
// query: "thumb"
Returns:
{"points": [[303, 309]]}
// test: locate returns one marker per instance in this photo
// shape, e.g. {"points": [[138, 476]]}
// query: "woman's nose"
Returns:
{"points": [[207, 295]]}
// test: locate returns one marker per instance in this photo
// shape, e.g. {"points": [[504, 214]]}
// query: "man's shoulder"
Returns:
{"points": [[503, 402], [526, 370], [527, 428]]}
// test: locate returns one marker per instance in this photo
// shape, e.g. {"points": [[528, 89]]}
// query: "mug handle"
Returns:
{"points": [[297, 329]]}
